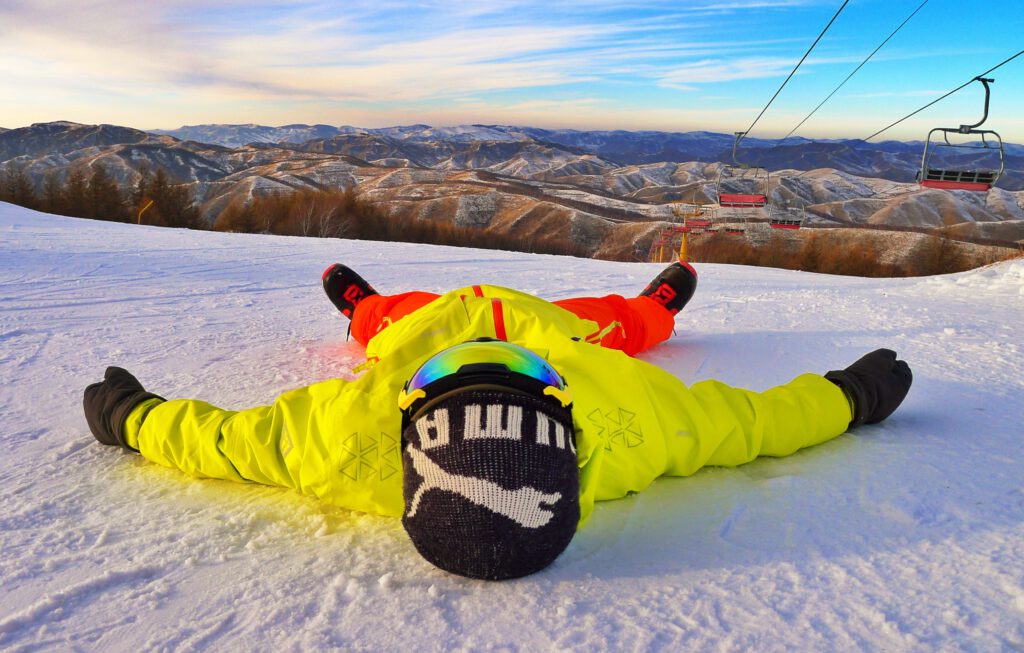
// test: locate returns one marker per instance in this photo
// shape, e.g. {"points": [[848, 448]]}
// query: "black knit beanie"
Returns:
{"points": [[491, 483]]}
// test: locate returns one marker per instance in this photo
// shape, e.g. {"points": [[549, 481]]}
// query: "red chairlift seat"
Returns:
{"points": [[972, 180], [785, 224], [742, 200]]}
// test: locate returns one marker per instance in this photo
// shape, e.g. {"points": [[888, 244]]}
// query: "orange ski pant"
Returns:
{"points": [[633, 324]]}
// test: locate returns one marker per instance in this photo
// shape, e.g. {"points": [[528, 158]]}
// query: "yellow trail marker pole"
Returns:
{"points": [[143, 210]]}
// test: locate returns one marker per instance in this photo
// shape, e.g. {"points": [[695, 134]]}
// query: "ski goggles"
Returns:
{"points": [[480, 363]]}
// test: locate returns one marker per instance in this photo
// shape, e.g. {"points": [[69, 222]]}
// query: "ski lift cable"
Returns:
{"points": [[968, 82], [793, 72], [855, 70]]}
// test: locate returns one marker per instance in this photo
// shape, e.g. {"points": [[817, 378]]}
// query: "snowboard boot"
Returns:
{"points": [[345, 288], [673, 287]]}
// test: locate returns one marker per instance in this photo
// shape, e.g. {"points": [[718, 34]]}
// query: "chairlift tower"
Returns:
{"points": [[692, 218]]}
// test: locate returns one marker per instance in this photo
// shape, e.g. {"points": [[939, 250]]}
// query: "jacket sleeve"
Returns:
{"points": [[716, 424], [279, 444]]}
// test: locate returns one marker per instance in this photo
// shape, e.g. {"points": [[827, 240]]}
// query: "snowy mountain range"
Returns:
{"points": [[521, 180], [892, 160]]}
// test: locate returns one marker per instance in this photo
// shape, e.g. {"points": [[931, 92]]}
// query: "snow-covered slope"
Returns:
{"points": [[903, 537]]}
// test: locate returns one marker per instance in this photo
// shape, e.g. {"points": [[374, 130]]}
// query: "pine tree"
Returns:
{"points": [[173, 203], [76, 194], [53, 200], [5, 174], [16, 187], [105, 200]]}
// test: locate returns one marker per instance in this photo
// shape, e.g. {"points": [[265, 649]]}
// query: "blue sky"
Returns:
{"points": [[602, 64]]}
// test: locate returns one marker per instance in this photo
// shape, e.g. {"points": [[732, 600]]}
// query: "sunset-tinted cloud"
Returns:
{"points": [[599, 64]]}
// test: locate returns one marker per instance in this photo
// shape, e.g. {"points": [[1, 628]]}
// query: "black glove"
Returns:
{"points": [[876, 385], [108, 403]]}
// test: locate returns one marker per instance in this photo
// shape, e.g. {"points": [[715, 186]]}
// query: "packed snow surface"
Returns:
{"points": [[905, 536]]}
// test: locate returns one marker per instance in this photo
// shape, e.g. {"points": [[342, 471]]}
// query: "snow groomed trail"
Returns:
{"points": [[906, 536]]}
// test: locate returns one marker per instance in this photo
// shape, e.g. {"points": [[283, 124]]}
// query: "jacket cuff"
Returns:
{"points": [[133, 422], [850, 387]]}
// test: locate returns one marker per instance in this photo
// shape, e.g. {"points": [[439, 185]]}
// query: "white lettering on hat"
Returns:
{"points": [[544, 423], [525, 506], [433, 430], [491, 427]]}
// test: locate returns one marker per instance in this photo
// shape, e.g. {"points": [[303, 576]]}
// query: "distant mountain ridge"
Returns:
{"points": [[241, 135], [63, 137], [428, 146], [521, 180]]}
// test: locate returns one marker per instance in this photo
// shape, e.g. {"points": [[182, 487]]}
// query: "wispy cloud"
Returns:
{"points": [[313, 52], [717, 70], [320, 60]]}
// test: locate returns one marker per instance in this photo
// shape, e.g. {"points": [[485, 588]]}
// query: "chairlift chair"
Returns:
{"points": [[945, 178], [757, 173], [787, 218]]}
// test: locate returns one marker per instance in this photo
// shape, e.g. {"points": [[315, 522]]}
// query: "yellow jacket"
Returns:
{"points": [[340, 440]]}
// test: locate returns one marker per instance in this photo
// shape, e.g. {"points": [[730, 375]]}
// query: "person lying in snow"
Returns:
{"points": [[490, 420]]}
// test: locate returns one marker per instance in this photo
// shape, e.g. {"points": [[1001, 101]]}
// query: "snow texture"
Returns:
{"points": [[905, 536]]}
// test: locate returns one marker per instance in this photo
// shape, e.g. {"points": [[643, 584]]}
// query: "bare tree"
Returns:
{"points": [[305, 212]]}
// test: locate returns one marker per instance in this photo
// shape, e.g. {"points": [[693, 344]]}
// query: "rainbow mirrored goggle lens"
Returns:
{"points": [[513, 358]]}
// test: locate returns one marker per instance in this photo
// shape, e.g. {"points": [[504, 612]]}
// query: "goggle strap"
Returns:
{"points": [[419, 408]]}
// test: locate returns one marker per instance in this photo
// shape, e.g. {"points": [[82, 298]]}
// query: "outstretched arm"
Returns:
{"points": [[734, 426], [281, 444], [727, 426], [273, 445], [636, 422], [327, 440]]}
